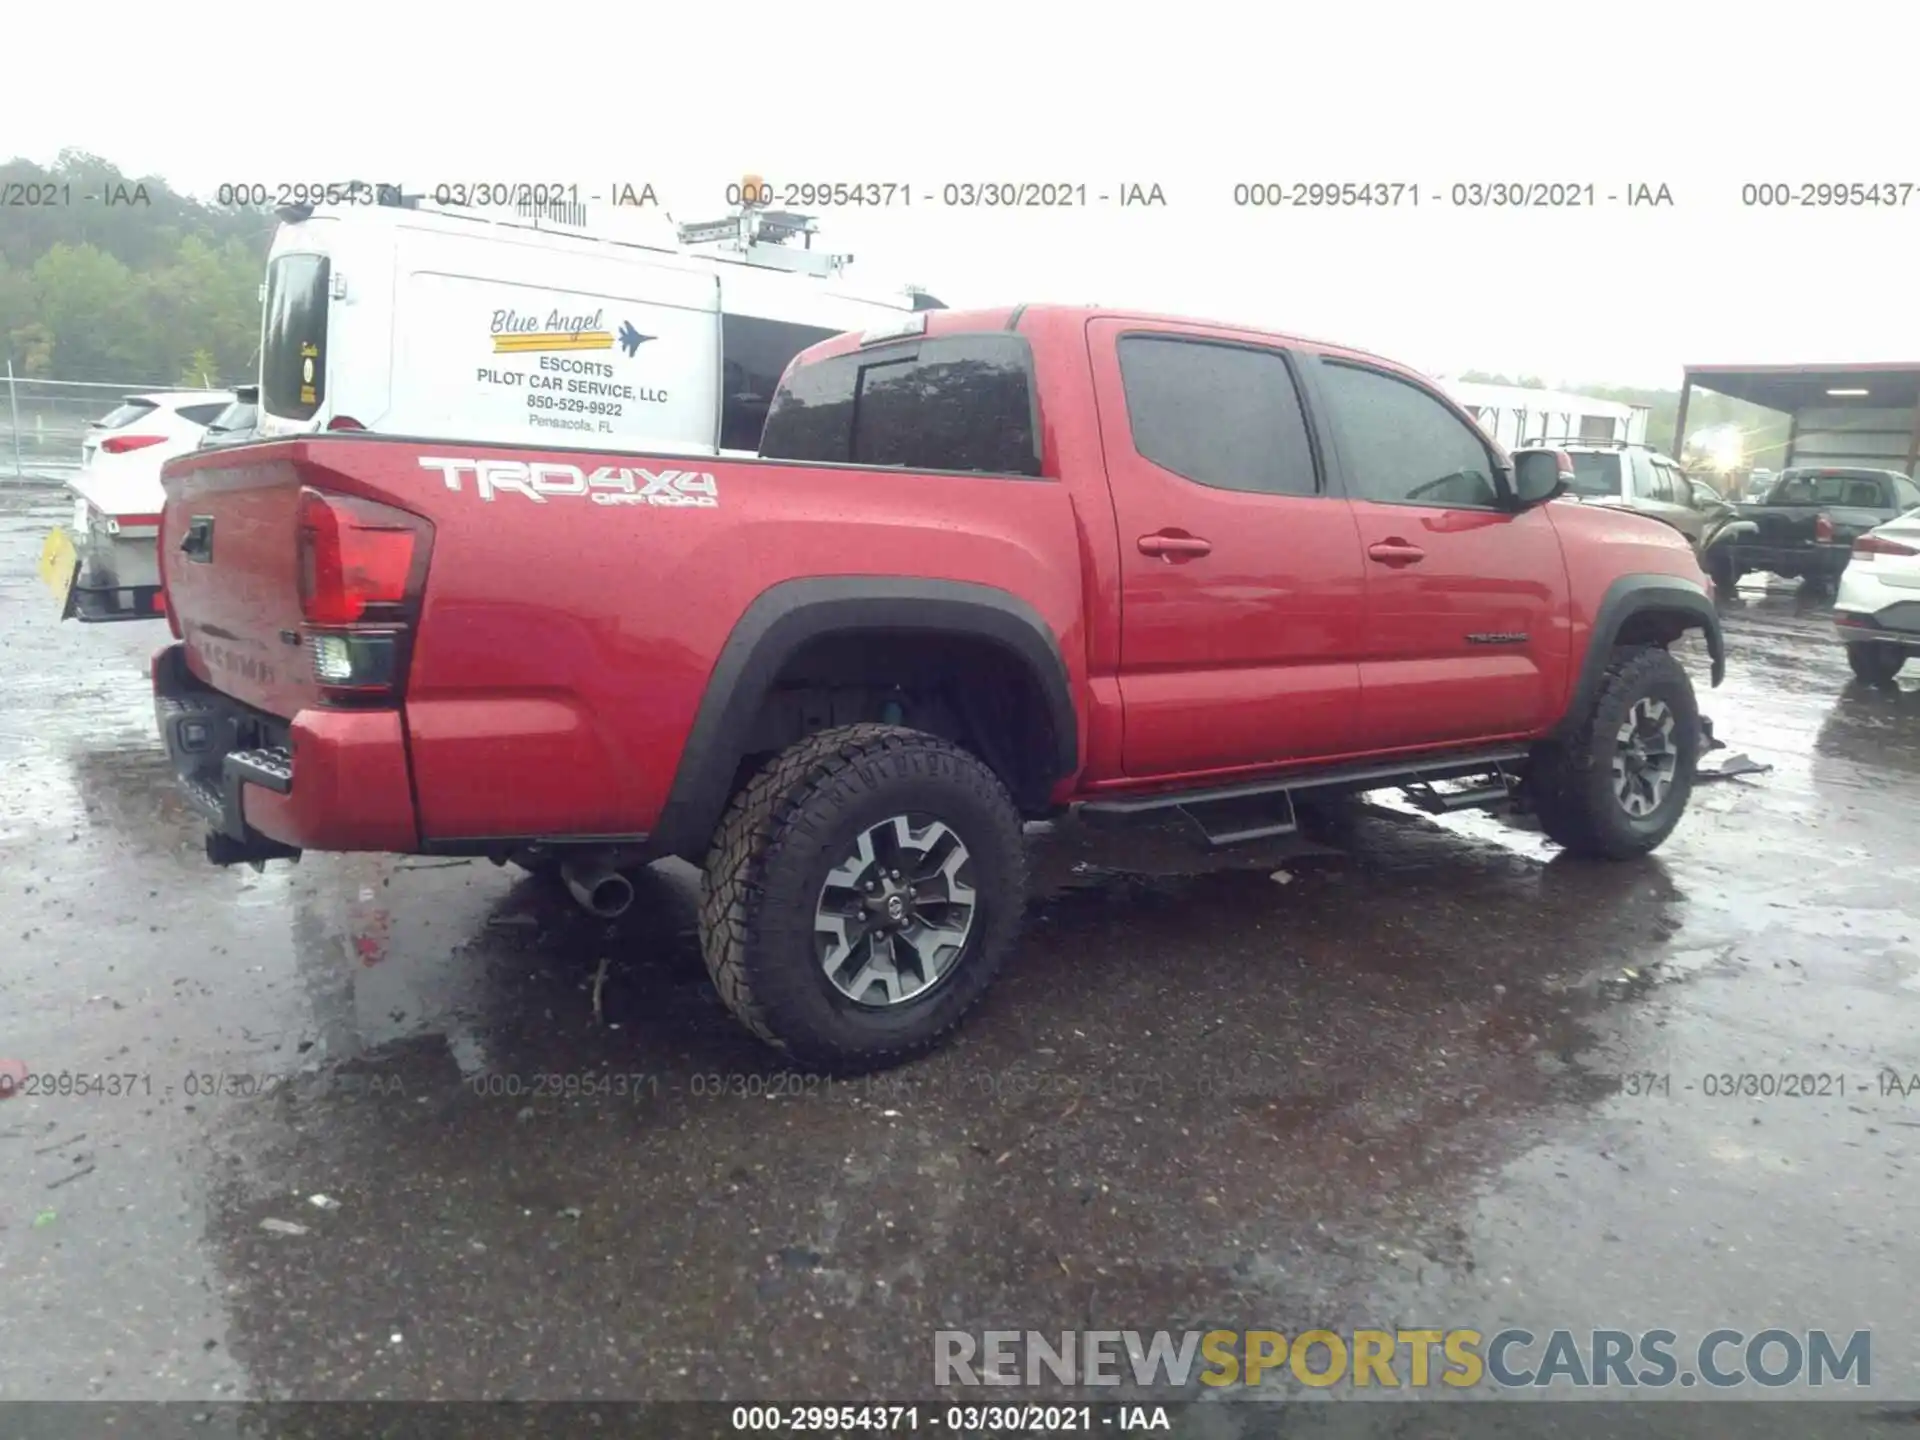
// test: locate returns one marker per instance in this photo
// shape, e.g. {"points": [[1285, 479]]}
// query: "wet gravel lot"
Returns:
{"points": [[1395, 1087]]}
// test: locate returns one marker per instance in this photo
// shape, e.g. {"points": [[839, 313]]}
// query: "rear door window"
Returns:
{"points": [[1225, 416], [293, 347], [125, 413], [204, 414], [959, 402]]}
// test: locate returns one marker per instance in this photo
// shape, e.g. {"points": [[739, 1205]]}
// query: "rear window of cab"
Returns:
{"points": [[958, 402]]}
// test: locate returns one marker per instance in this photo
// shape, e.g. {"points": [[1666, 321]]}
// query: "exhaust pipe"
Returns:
{"points": [[599, 891]]}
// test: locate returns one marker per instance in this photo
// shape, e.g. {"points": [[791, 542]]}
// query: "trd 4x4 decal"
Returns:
{"points": [[608, 485]]}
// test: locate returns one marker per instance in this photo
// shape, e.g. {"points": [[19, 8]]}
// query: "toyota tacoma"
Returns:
{"points": [[988, 565]]}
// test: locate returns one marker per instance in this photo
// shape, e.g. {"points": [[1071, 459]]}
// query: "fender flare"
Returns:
{"points": [[791, 614], [1631, 595], [1732, 531]]}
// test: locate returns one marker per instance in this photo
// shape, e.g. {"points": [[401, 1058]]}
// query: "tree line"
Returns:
{"points": [[119, 278]]}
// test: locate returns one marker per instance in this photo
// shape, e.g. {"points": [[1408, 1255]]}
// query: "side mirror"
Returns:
{"points": [[1540, 475]]}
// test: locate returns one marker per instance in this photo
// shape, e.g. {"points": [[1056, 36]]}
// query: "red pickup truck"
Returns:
{"points": [[989, 565]]}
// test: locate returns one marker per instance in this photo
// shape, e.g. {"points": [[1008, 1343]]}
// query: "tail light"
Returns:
{"points": [[121, 444], [1868, 546], [160, 569], [363, 567], [1823, 528], [344, 422]]}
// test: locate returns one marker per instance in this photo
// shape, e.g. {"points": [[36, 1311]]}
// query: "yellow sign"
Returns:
{"points": [[60, 567]]}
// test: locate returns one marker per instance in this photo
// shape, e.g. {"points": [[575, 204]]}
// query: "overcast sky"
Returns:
{"points": [[1195, 97]]}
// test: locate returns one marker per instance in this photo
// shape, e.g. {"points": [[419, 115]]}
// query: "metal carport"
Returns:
{"points": [[1861, 415]]}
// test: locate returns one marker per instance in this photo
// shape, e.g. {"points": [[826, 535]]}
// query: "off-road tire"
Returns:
{"points": [[1570, 781], [1874, 663], [781, 835]]}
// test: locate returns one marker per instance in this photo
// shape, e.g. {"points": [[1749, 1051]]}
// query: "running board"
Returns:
{"points": [[1261, 809], [1444, 802]]}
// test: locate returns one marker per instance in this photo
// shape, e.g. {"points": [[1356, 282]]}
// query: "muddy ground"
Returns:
{"points": [[1395, 1087]]}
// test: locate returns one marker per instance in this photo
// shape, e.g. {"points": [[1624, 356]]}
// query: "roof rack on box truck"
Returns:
{"points": [[532, 325]]}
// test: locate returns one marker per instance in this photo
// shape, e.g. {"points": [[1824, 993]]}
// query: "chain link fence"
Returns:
{"points": [[43, 421]]}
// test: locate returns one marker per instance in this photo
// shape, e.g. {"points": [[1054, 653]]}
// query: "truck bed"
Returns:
{"points": [[556, 650]]}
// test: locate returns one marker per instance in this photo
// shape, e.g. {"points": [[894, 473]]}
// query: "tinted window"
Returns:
{"points": [[1810, 490], [125, 414], [237, 416], [204, 414], [1401, 445], [755, 354], [293, 360], [1224, 415], [1596, 474], [962, 402]]}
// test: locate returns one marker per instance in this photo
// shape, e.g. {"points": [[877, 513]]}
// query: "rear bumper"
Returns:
{"points": [[267, 787], [1797, 560], [1878, 603]]}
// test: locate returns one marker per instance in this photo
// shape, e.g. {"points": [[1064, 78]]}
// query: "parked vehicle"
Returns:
{"points": [[103, 568], [1806, 526], [238, 422], [1876, 610], [990, 565], [1634, 477], [408, 320]]}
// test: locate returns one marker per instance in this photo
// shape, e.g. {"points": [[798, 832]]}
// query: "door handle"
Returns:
{"points": [[1396, 552], [1172, 545], [197, 543]]}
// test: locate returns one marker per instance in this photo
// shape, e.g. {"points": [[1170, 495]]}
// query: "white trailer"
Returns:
{"points": [[1515, 415]]}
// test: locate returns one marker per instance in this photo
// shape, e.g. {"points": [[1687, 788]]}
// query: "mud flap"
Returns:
{"points": [[60, 569]]}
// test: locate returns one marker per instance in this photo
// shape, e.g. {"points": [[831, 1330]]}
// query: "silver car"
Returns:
{"points": [[1639, 478]]}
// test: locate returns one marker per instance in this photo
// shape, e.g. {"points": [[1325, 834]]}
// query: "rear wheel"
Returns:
{"points": [[861, 894], [1618, 783], [1875, 663]]}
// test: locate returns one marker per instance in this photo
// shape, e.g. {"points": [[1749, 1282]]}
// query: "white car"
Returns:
{"points": [[107, 568], [1877, 608]]}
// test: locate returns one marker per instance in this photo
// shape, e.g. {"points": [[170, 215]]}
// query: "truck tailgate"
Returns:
{"points": [[230, 558]]}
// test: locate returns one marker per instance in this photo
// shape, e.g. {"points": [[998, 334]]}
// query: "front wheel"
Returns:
{"points": [[1617, 783], [1723, 572], [861, 894], [1875, 663]]}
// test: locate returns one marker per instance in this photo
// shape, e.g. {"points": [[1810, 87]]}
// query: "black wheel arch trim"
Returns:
{"points": [[1631, 595], [791, 614]]}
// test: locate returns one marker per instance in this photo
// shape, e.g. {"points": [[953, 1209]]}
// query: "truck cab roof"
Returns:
{"points": [[1035, 319]]}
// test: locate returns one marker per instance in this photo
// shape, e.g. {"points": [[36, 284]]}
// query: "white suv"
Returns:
{"points": [[1877, 607], [116, 516]]}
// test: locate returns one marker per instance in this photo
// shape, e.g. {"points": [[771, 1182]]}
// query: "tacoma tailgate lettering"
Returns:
{"points": [[608, 485]]}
